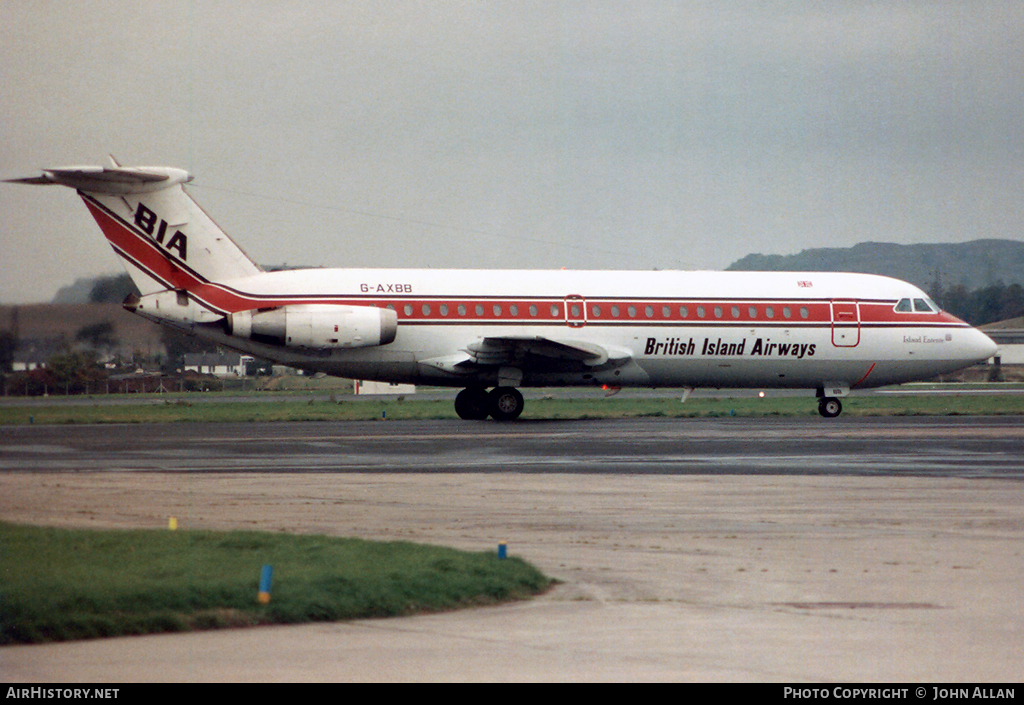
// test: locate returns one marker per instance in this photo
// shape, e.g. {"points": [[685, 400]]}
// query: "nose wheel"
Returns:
{"points": [[829, 407], [501, 403]]}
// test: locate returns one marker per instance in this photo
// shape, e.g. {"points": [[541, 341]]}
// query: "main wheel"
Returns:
{"points": [[829, 407], [471, 404], [505, 403]]}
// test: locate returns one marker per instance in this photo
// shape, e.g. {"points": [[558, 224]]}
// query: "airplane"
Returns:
{"points": [[504, 330]]}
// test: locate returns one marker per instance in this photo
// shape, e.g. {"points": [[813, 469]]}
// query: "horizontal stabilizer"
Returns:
{"points": [[164, 239], [40, 180], [114, 180]]}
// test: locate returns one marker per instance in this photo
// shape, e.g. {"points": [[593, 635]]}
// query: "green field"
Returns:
{"points": [[61, 584], [206, 408]]}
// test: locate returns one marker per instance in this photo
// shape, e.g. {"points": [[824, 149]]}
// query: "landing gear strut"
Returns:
{"points": [[829, 407], [501, 403]]}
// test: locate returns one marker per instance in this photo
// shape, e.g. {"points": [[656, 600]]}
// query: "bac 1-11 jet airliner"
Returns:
{"points": [[502, 330]]}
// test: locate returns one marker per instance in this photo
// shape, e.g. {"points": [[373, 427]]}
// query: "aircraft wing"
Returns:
{"points": [[515, 350], [530, 354]]}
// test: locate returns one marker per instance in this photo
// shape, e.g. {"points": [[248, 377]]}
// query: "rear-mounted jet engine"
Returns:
{"points": [[317, 326]]}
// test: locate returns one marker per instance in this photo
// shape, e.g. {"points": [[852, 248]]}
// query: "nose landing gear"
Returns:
{"points": [[829, 407]]}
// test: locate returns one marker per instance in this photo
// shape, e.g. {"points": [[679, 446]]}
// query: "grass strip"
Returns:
{"points": [[62, 584], [182, 410], [895, 405]]}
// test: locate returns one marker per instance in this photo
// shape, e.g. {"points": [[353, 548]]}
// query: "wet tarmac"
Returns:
{"points": [[932, 446], [783, 550]]}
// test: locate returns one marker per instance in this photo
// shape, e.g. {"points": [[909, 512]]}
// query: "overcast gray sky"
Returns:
{"points": [[607, 135]]}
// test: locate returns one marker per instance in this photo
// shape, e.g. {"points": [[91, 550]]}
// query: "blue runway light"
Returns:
{"points": [[265, 577]]}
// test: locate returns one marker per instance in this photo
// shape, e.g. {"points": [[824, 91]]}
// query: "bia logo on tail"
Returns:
{"points": [[147, 220]]}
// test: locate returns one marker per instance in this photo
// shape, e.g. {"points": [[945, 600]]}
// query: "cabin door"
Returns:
{"points": [[845, 324]]}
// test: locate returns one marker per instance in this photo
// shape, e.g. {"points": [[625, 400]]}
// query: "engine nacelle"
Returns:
{"points": [[318, 326]]}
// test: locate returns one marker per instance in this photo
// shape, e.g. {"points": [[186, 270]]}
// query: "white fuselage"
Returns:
{"points": [[508, 328], [677, 329]]}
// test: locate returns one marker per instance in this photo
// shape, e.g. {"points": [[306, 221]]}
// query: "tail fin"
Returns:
{"points": [[163, 237]]}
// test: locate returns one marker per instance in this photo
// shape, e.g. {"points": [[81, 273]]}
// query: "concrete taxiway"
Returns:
{"points": [[778, 550]]}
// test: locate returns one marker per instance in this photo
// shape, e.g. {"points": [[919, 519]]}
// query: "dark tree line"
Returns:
{"points": [[997, 302], [8, 344]]}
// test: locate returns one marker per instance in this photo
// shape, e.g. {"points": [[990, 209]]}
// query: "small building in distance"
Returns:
{"points": [[1009, 336], [27, 358], [369, 387], [217, 364]]}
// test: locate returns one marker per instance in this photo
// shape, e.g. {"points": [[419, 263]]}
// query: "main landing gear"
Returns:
{"points": [[829, 407], [501, 403]]}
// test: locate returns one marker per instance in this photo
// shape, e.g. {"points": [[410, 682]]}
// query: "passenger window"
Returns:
{"points": [[804, 312], [787, 312], [666, 312], [595, 311], [700, 312], [426, 309], [752, 312], [479, 309], [408, 309], [554, 311], [683, 312], [735, 311], [514, 310], [444, 309], [718, 311], [904, 306], [631, 311], [649, 311], [462, 309], [497, 309], [615, 311], [769, 312], [533, 310]]}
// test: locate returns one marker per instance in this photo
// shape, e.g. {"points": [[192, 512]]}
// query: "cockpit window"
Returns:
{"points": [[916, 306]]}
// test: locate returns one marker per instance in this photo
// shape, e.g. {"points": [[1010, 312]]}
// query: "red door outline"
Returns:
{"points": [[575, 311], [845, 323]]}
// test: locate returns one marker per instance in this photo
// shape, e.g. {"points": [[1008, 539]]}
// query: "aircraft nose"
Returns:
{"points": [[980, 347]]}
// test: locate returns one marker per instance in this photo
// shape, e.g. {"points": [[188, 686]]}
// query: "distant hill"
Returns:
{"points": [[974, 264], [77, 293], [113, 289]]}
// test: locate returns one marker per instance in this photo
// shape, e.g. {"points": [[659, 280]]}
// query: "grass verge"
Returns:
{"points": [[901, 405], [255, 410], [61, 584]]}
